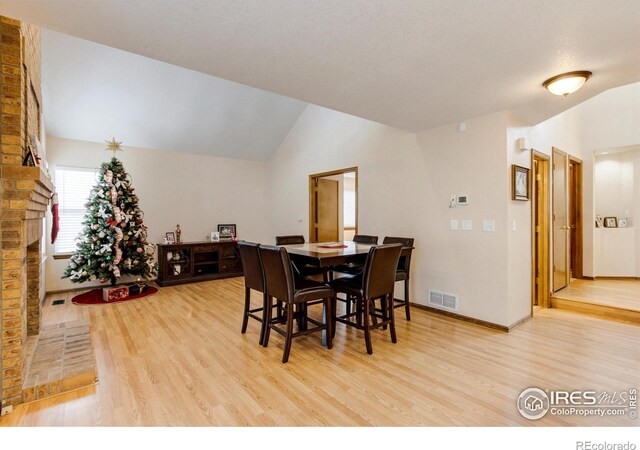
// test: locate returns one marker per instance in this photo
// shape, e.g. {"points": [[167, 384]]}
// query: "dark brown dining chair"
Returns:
{"points": [[376, 281], [282, 284], [306, 270], [403, 272], [253, 279], [353, 268]]}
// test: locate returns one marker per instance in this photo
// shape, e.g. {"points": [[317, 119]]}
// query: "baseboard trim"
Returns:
{"points": [[64, 291], [517, 323], [452, 315]]}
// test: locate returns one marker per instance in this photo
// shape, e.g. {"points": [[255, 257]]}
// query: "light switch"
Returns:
{"points": [[489, 226], [467, 225], [513, 227], [454, 225]]}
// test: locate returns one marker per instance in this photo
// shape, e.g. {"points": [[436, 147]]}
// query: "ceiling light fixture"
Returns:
{"points": [[567, 83]]}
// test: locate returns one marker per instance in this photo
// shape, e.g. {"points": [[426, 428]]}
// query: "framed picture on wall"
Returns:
{"points": [[520, 183], [611, 222]]}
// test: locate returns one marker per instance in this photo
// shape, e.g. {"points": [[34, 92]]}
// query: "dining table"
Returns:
{"points": [[329, 254]]}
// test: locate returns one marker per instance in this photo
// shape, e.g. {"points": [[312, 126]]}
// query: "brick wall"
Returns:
{"points": [[24, 195]]}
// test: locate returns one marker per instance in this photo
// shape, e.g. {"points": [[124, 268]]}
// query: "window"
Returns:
{"points": [[73, 186], [349, 213]]}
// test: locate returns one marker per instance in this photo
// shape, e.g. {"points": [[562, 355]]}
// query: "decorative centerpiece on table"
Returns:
{"points": [[113, 242]]}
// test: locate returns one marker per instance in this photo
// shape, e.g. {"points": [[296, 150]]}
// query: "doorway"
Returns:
{"points": [[567, 219], [560, 221], [540, 230], [333, 205], [575, 217]]}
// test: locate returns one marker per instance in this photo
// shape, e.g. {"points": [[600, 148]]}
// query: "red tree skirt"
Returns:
{"points": [[95, 297]]}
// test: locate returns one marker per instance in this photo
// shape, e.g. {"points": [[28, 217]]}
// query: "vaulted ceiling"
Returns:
{"points": [[92, 92], [406, 63]]}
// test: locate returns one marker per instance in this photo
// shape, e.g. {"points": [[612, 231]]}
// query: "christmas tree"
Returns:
{"points": [[113, 242]]}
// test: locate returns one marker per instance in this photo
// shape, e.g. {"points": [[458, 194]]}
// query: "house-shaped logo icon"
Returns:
{"points": [[533, 403]]}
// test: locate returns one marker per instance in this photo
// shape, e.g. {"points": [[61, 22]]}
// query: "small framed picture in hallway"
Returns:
{"points": [[520, 180]]}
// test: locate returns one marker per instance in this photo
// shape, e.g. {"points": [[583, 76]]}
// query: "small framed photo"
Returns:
{"points": [[520, 183], [171, 237], [215, 236], [599, 222], [227, 230], [611, 222], [622, 223]]}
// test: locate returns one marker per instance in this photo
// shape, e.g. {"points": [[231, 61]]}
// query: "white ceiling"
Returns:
{"points": [[407, 63], [92, 92]]}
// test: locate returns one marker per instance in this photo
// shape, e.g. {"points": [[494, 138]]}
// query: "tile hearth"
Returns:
{"points": [[60, 359]]}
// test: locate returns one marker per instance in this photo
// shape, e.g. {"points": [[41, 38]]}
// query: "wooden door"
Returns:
{"points": [[560, 221], [540, 230], [327, 210]]}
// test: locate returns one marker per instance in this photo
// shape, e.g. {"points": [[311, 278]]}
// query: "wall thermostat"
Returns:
{"points": [[463, 200]]}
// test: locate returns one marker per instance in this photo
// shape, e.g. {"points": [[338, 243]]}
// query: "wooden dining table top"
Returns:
{"points": [[326, 254]]}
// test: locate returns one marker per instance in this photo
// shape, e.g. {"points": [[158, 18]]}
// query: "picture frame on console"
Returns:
{"points": [[171, 237], [227, 230], [611, 222]]}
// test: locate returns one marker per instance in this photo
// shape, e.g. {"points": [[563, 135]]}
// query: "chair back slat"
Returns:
{"points": [[278, 274], [365, 239], [291, 239], [379, 274]]}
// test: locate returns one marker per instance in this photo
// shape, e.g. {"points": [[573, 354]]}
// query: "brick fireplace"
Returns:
{"points": [[25, 193]]}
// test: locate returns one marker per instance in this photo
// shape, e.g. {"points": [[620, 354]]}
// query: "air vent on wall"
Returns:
{"points": [[443, 300]]}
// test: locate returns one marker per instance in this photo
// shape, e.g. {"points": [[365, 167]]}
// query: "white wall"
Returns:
{"points": [[617, 194], [614, 184], [404, 184], [198, 192]]}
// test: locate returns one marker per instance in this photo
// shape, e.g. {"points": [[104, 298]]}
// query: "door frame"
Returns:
{"points": [[565, 156], [312, 196], [575, 197], [545, 226]]}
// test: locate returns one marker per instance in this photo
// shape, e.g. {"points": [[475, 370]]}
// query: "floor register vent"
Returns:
{"points": [[443, 300]]}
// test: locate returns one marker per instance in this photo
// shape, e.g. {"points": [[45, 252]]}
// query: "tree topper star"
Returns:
{"points": [[113, 146]]}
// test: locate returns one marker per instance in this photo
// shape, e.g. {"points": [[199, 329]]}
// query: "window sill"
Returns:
{"points": [[62, 255]]}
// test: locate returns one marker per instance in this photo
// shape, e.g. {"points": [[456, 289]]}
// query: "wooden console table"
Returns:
{"points": [[189, 262]]}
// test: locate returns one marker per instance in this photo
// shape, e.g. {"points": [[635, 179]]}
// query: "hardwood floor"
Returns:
{"points": [[623, 294], [614, 299], [178, 358]]}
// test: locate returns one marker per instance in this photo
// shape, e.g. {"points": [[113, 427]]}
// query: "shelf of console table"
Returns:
{"points": [[189, 262]]}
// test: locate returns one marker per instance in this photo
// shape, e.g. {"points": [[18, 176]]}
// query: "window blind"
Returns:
{"points": [[73, 186]]}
